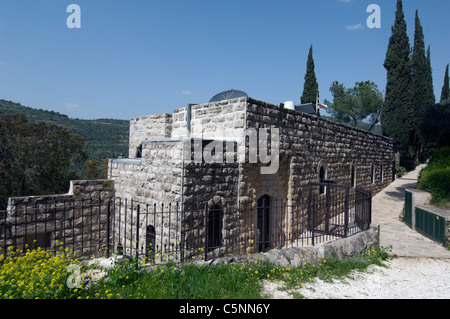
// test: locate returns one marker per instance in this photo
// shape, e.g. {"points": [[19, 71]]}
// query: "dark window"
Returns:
{"points": [[372, 174], [139, 151], [42, 240], [263, 210], [215, 221], [322, 178], [353, 176], [150, 244]]}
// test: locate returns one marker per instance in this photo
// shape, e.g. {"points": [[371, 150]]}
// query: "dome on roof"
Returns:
{"points": [[228, 95]]}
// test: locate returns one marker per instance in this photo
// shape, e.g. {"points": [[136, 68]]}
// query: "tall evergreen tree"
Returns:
{"points": [[432, 97], [397, 113], [421, 88], [311, 87], [445, 94]]}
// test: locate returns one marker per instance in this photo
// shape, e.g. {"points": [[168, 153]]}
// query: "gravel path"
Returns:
{"points": [[404, 278]]}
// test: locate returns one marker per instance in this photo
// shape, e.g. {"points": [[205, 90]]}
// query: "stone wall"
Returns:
{"points": [[77, 220], [308, 141], [162, 178], [148, 127], [351, 247], [169, 172], [221, 120]]}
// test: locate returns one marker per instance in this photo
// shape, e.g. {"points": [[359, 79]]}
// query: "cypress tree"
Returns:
{"points": [[422, 93], [311, 87], [397, 113], [432, 97], [445, 94]]}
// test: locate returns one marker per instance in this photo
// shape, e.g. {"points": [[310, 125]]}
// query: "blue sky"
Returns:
{"points": [[140, 57]]}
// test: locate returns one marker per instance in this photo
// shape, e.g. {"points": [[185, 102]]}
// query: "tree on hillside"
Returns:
{"points": [[91, 170], [434, 127], [445, 94], [311, 87], [421, 86], [362, 102], [36, 158], [397, 113]]}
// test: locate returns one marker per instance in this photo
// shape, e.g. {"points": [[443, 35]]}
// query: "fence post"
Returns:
{"points": [[369, 221], [108, 230], [137, 230], [327, 210], [182, 225], [206, 231], [346, 212], [313, 218]]}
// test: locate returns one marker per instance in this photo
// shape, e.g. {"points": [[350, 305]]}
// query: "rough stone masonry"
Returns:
{"points": [[206, 155], [222, 157]]}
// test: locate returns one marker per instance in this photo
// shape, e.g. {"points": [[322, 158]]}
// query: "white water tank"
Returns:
{"points": [[289, 105]]}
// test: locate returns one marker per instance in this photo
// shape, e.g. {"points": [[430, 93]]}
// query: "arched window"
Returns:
{"points": [[215, 221], [139, 151], [353, 175], [372, 174], [322, 178], [263, 211]]}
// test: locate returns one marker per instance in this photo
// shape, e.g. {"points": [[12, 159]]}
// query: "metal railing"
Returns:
{"points": [[179, 233], [162, 232]]}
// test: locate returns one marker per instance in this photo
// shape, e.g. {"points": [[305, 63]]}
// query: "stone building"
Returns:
{"points": [[232, 176], [229, 156]]}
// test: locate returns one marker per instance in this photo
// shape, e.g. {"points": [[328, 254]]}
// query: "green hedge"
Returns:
{"points": [[436, 177]]}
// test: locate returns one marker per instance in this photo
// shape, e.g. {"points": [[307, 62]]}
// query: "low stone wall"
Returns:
{"points": [[350, 247], [78, 219]]}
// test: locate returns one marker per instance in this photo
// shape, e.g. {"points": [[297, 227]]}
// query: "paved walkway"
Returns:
{"points": [[387, 206]]}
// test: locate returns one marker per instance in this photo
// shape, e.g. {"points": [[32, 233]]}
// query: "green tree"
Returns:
{"points": [[311, 87], [435, 128], [36, 158], [397, 113], [432, 97], [104, 168], [354, 105], [91, 170], [445, 94], [421, 86]]}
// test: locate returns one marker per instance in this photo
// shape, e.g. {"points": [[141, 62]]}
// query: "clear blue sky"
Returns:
{"points": [[140, 57]]}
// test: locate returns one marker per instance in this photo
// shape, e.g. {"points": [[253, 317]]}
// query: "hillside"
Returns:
{"points": [[103, 138]]}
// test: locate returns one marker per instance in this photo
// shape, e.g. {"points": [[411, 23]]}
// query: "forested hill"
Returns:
{"points": [[103, 138]]}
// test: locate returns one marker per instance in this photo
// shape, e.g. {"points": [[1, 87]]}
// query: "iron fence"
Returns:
{"points": [[80, 225], [161, 232]]}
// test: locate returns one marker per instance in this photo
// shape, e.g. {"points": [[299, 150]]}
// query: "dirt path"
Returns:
{"points": [[405, 278]]}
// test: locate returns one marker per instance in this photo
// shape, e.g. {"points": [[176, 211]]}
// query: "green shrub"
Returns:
{"points": [[436, 177], [440, 158]]}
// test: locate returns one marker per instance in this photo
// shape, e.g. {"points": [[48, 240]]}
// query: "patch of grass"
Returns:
{"points": [[130, 279], [171, 281]]}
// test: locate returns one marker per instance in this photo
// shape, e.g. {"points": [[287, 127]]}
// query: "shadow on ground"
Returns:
{"points": [[399, 192]]}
